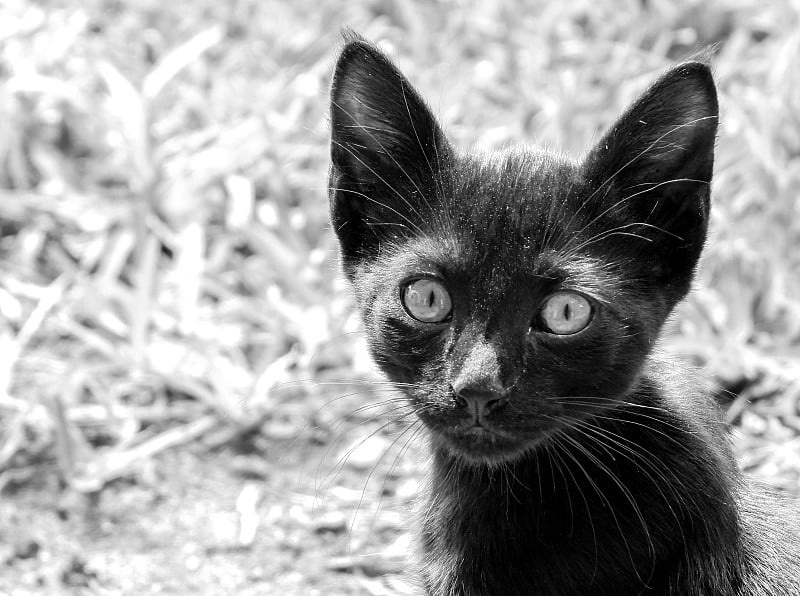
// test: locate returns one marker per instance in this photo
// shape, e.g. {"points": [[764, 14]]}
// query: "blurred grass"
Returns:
{"points": [[166, 268]]}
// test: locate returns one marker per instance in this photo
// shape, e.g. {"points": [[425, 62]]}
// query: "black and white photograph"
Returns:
{"points": [[400, 298]]}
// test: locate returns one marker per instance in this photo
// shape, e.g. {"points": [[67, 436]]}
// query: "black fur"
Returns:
{"points": [[602, 470]]}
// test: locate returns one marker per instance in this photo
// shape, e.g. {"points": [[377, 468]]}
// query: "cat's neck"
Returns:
{"points": [[613, 503]]}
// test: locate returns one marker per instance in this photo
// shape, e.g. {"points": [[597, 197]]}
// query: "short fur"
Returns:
{"points": [[601, 470]]}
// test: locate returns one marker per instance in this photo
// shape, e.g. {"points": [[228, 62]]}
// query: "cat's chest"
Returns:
{"points": [[530, 534]]}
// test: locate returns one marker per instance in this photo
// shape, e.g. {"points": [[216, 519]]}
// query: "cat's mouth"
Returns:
{"points": [[481, 443], [484, 438]]}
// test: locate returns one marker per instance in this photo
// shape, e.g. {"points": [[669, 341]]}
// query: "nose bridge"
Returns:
{"points": [[480, 369]]}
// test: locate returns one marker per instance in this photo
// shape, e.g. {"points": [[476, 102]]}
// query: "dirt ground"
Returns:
{"points": [[267, 516]]}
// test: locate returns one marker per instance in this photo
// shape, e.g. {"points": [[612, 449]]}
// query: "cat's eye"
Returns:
{"points": [[426, 300], [565, 313]]}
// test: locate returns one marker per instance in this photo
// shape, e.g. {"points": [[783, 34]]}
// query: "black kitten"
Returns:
{"points": [[516, 298]]}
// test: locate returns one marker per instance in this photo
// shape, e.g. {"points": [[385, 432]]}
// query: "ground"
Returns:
{"points": [[259, 516], [186, 406]]}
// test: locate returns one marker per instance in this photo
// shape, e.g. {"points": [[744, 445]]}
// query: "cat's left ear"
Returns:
{"points": [[654, 168]]}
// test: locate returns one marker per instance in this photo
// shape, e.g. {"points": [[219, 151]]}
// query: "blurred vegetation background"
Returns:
{"points": [[168, 278]]}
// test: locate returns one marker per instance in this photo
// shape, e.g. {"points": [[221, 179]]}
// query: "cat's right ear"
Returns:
{"points": [[387, 152]]}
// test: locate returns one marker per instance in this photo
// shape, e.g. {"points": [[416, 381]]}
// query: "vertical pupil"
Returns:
{"points": [[566, 311], [431, 298]]}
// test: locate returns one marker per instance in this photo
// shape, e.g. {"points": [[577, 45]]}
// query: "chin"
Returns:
{"points": [[484, 447]]}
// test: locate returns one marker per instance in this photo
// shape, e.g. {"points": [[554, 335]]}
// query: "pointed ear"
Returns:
{"points": [[654, 169], [387, 152]]}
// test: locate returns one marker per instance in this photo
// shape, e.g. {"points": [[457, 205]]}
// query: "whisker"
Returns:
{"points": [[632, 452], [626, 407], [556, 444], [337, 469], [623, 489], [369, 477], [621, 201]]}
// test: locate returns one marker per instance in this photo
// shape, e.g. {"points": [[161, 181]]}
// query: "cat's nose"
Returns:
{"points": [[479, 399], [477, 386]]}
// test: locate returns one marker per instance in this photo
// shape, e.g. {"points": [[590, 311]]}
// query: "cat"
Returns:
{"points": [[516, 298]]}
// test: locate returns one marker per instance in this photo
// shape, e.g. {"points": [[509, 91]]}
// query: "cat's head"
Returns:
{"points": [[507, 291]]}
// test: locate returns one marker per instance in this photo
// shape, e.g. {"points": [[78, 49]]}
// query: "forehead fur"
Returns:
{"points": [[517, 212], [512, 197]]}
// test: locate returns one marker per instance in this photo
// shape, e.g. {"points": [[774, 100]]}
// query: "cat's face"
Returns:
{"points": [[510, 293]]}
